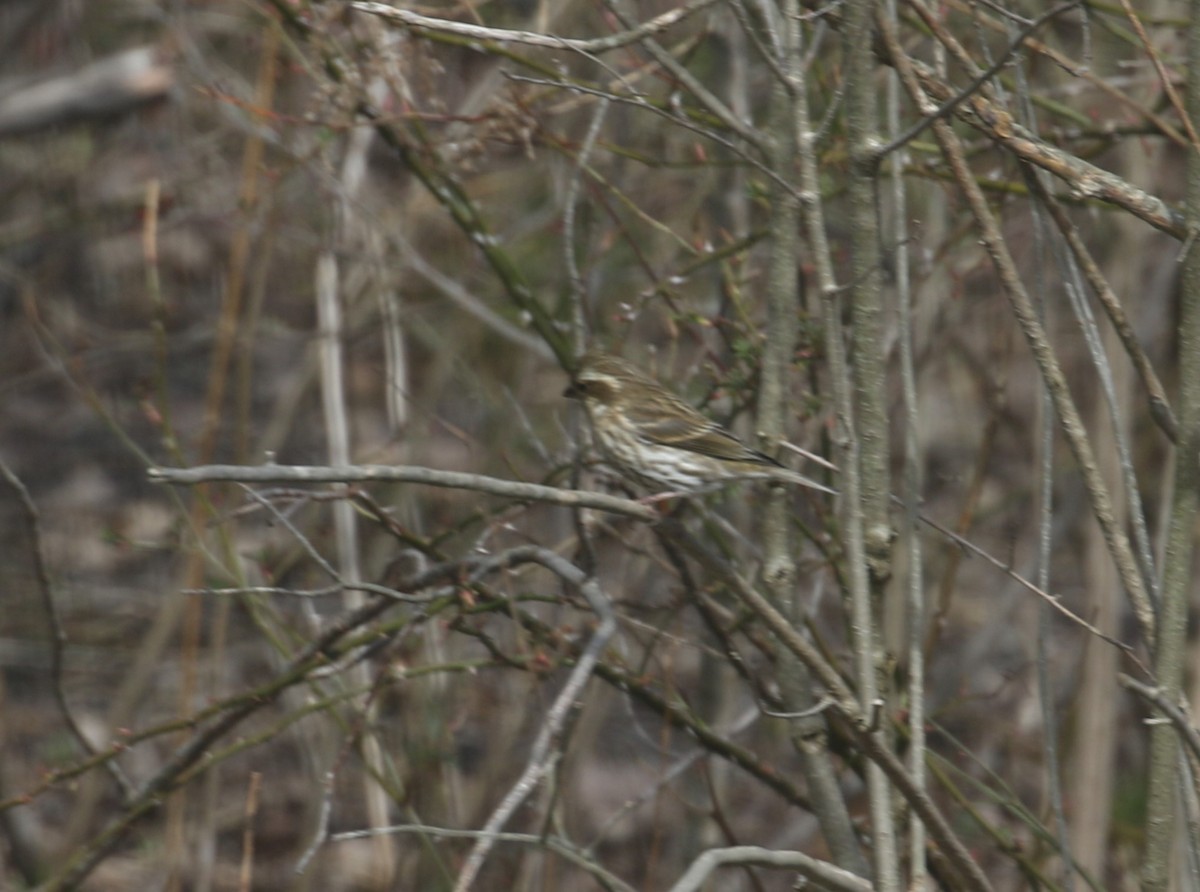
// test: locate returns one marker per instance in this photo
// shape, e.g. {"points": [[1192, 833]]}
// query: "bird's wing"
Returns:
{"points": [[683, 427]]}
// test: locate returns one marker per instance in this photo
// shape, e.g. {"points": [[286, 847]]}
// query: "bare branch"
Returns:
{"points": [[824, 874], [1082, 178], [845, 701], [1160, 407], [111, 86], [1178, 717], [540, 757], [415, 20], [513, 489], [1035, 334], [556, 844], [1005, 59], [58, 636]]}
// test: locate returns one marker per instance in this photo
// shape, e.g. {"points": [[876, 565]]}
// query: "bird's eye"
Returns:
{"points": [[591, 389]]}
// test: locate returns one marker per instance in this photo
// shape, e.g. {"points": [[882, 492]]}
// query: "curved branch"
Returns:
{"points": [[415, 20], [826, 875]]}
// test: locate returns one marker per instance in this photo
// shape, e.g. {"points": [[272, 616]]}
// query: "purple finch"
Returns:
{"points": [[653, 437]]}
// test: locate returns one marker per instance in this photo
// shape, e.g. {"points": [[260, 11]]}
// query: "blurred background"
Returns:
{"points": [[191, 196]]}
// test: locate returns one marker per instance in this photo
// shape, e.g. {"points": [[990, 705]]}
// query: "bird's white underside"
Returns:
{"points": [[684, 471], [659, 465]]}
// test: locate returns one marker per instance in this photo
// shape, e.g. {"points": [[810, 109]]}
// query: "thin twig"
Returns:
{"points": [[951, 104], [1053, 600], [578, 290], [150, 796], [1160, 407], [1155, 696], [868, 739], [579, 857], [1084, 179], [1163, 75], [692, 84], [1035, 334], [1084, 71], [58, 635], [1046, 694]]}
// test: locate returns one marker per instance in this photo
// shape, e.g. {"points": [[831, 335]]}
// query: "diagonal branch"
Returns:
{"points": [[861, 725], [978, 81], [1035, 334], [541, 759], [1160, 407], [1084, 179]]}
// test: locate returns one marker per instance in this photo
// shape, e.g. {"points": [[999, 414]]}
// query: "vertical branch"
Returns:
{"points": [[782, 309], [915, 602], [869, 382], [579, 332], [788, 116], [1049, 367], [1045, 644], [1046, 689], [1164, 777], [337, 428]]}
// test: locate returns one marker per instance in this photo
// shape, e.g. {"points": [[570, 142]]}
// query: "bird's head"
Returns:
{"points": [[601, 379]]}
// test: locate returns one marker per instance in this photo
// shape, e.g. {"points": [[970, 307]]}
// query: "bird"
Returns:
{"points": [[659, 441]]}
